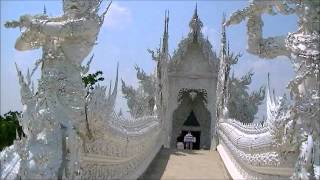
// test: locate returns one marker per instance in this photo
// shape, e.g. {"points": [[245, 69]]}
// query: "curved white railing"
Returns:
{"points": [[253, 151], [9, 163], [249, 128], [124, 151]]}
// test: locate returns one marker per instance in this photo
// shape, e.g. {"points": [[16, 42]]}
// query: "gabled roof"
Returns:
{"points": [[194, 36]]}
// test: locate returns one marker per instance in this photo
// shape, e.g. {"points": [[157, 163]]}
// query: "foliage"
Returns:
{"points": [[91, 79], [9, 125], [242, 105]]}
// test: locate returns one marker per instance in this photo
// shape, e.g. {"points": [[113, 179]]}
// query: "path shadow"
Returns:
{"points": [[157, 166], [159, 163]]}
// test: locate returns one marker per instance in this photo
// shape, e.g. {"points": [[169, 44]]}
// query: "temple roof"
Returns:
{"points": [[194, 36]]}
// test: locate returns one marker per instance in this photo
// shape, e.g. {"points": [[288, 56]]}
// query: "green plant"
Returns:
{"points": [[91, 79], [9, 125]]}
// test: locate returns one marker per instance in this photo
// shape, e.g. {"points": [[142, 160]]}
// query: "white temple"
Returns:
{"points": [[192, 74], [71, 135]]}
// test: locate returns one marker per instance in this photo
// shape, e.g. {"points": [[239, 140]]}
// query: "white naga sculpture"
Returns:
{"points": [[53, 118], [70, 134], [289, 144]]}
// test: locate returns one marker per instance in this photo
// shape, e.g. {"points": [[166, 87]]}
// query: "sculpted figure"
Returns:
{"points": [[141, 101], [53, 117], [302, 47]]}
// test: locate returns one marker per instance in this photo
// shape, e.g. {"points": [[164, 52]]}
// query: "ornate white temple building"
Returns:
{"points": [[192, 74], [73, 132]]}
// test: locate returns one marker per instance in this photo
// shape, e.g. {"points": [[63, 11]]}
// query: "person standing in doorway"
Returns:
{"points": [[188, 140]]}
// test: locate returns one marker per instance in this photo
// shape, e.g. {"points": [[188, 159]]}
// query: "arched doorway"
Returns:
{"points": [[191, 124], [192, 115]]}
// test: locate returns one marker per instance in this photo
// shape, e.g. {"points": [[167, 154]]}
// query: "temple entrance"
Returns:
{"points": [[196, 134], [191, 115], [192, 125]]}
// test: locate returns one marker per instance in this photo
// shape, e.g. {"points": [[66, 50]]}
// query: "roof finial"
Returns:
{"points": [[228, 44], [167, 21], [17, 135], [268, 82], [196, 10], [195, 24], [44, 9], [223, 18], [165, 33], [224, 43]]}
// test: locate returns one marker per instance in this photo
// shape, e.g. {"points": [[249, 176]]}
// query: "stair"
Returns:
{"points": [[185, 164]]}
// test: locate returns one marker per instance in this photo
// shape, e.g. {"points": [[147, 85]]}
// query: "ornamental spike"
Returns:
{"points": [[17, 135], [44, 9]]}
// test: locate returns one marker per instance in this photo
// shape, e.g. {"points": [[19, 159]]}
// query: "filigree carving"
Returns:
{"points": [[141, 101], [53, 119], [296, 125]]}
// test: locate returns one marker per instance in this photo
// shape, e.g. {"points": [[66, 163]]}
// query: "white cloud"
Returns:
{"points": [[212, 35], [207, 30], [211, 32], [118, 16]]}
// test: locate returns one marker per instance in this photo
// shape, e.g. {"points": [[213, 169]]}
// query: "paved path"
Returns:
{"points": [[173, 164]]}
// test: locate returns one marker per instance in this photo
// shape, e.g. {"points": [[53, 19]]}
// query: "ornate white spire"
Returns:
{"points": [[17, 135], [44, 9], [165, 45], [195, 23], [223, 50]]}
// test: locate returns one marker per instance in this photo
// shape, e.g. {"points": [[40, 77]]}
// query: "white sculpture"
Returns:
{"points": [[297, 125], [233, 97], [141, 101], [53, 117], [71, 134]]}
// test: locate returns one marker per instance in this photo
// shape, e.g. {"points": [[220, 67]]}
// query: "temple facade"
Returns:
{"points": [[192, 80]]}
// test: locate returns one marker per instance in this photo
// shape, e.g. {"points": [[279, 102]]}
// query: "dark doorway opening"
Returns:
{"points": [[196, 134], [190, 124]]}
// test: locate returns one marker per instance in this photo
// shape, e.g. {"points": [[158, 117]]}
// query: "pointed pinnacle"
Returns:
{"points": [[167, 19], [228, 44], [17, 135], [268, 81], [196, 9], [18, 70], [44, 9], [223, 18], [109, 92], [116, 82]]}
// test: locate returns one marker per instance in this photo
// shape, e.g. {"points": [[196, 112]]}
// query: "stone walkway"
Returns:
{"points": [[182, 164]]}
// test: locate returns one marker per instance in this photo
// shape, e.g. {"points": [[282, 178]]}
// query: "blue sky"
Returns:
{"points": [[130, 28]]}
